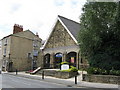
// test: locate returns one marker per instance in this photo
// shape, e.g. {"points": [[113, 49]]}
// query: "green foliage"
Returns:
{"points": [[64, 63], [99, 71], [90, 70], [73, 69], [117, 72], [112, 72], [99, 35], [65, 70]]}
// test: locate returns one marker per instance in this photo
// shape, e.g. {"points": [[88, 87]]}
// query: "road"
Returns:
{"points": [[10, 82]]}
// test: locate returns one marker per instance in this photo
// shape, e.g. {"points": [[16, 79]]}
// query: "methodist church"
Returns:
{"points": [[62, 45]]}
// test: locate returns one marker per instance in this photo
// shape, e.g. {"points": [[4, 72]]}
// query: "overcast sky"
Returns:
{"points": [[36, 15]]}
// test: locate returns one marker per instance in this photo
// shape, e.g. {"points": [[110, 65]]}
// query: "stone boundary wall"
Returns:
{"points": [[111, 79], [58, 74]]}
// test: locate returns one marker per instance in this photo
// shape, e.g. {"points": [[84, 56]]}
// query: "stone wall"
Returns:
{"points": [[102, 78], [57, 74], [65, 75], [59, 37]]}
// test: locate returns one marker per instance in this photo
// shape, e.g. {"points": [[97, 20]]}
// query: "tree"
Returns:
{"points": [[99, 32]]}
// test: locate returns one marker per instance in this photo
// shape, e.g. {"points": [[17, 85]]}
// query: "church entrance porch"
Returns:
{"points": [[53, 60]]}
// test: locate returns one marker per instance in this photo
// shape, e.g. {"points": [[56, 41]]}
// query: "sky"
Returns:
{"points": [[36, 15]]}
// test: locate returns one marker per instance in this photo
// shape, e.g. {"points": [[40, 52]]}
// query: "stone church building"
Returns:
{"points": [[62, 45], [21, 50]]}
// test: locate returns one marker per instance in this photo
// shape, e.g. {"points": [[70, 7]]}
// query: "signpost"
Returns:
{"points": [[64, 67]]}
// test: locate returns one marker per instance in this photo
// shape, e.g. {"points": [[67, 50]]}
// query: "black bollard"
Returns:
{"points": [[43, 75], [16, 71], [75, 79]]}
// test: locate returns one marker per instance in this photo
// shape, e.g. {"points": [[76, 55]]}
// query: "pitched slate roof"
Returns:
{"points": [[22, 34], [72, 26]]}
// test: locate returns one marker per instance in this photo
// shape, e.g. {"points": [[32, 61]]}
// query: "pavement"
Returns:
{"points": [[69, 82]]}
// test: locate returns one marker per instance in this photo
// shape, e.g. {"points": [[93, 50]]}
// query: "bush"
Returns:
{"points": [[73, 69], [65, 70], [64, 63], [114, 72], [104, 72], [118, 72], [92, 70]]}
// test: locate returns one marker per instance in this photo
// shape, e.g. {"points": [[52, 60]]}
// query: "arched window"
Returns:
{"points": [[71, 58], [47, 61]]}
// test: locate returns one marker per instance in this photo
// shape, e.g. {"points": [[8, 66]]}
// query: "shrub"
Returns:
{"points": [[64, 63], [73, 69], [65, 70], [118, 72], [92, 70], [104, 72], [114, 72]]}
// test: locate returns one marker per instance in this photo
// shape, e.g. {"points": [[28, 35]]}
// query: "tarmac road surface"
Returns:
{"points": [[10, 82]]}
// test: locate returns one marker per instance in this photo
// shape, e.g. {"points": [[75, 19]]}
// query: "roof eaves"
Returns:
{"points": [[6, 36], [68, 19]]}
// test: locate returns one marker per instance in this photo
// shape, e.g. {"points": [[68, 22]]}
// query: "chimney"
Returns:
{"points": [[17, 28], [37, 34]]}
